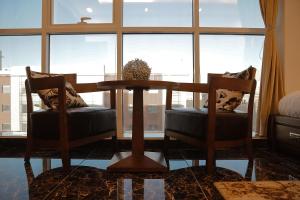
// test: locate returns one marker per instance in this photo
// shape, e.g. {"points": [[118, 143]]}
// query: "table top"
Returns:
{"points": [[132, 84]]}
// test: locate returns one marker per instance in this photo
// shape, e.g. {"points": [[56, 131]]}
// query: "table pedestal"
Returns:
{"points": [[149, 162], [138, 160]]}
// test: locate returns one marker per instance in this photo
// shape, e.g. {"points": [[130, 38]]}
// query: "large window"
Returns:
{"points": [[92, 57], [16, 52], [170, 57], [232, 53], [96, 38]]}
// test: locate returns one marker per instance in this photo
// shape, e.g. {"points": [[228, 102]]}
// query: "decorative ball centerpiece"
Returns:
{"points": [[136, 69]]}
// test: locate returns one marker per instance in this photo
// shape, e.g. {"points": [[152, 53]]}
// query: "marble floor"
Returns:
{"points": [[43, 178]]}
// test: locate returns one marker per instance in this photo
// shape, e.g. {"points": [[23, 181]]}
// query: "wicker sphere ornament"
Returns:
{"points": [[136, 69]]}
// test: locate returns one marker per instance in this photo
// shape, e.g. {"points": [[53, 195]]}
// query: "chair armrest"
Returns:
{"points": [[92, 87], [190, 87], [184, 87]]}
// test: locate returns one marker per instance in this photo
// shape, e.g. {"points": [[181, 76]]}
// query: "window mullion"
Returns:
{"points": [[117, 20], [196, 51]]}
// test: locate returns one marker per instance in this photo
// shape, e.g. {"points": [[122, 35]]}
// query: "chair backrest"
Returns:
{"points": [[71, 78]]}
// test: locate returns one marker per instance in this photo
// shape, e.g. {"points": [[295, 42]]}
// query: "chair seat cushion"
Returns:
{"points": [[82, 122], [194, 123]]}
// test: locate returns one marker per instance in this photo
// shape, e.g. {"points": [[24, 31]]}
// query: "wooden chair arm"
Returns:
{"points": [[190, 87], [92, 87], [184, 87]]}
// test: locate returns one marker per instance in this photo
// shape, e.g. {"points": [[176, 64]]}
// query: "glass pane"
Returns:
{"points": [[231, 53], [20, 13], [16, 52], [171, 59], [92, 57], [82, 11], [159, 13], [230, 13]]}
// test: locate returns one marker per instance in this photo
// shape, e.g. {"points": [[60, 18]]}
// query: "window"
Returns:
{"points": [[82, 11], [232, 53], [92, 57], [5, 108], [5, 127], [17, 53], [230, 13], [159, 13], [20, 14], [24, 108], [6, 89], [95, 38], [170, 57]]}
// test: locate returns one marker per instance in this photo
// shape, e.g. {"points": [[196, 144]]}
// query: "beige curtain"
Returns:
{"points": [[272, 77]]}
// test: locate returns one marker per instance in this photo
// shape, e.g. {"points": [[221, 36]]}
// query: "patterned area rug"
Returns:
{"points": [[259, 190]]}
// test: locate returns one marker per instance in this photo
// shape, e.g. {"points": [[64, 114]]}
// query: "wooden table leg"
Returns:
{"points": [[138, 124], [138, 160]]}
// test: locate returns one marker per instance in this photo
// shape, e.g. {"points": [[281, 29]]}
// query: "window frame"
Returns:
{"points": [[116, 27]]}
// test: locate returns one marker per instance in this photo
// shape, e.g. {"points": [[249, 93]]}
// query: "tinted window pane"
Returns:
{"points": [[92, 57], [230, 13], [16, 52], [82, 11], [20, 13], [158, 13], [171, 59]]}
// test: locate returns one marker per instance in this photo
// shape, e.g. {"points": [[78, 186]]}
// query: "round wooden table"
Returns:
{"points": [[138, 160]]}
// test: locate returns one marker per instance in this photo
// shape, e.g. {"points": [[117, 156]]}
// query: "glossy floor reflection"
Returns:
{"points": [[43, 178]]}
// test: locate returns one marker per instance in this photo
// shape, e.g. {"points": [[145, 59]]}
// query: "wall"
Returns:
{"points": [[289, 42]]}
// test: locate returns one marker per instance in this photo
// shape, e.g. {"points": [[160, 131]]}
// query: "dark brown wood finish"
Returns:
{"points": [[138, 160], [64, 144], [215, 81]]}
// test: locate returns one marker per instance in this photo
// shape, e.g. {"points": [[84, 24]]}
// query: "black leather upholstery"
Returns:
{"points": [[193, 122], [82, 122]]}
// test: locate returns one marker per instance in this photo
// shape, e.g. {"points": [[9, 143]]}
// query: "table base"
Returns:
{"points": [[149, 162]]}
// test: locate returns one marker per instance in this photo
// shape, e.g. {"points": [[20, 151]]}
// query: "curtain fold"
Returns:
{"points": [[272, 77]]}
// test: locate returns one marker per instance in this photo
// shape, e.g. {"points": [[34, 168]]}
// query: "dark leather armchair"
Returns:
{"points": [[207, 128], [65, 128]]}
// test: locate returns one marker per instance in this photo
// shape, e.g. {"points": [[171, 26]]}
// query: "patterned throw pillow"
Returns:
{"points": [[229, 100], [50, 96]]}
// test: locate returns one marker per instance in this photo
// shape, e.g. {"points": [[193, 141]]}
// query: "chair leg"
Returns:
{"points": [[165, 149], [115, 143], [248, 174], [210, 160], [65, 155], [65, 160], [249, 149], [29, 147], [166, 145]]}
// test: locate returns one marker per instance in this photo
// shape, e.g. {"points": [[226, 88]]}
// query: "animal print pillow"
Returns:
{"points": [[229, 100], [50, 96]]}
